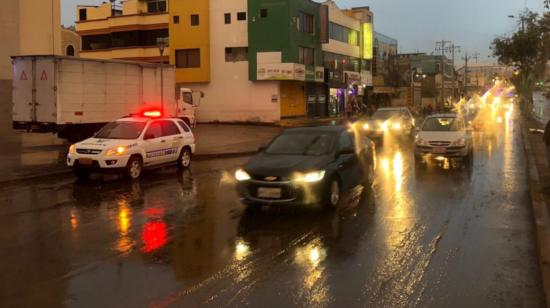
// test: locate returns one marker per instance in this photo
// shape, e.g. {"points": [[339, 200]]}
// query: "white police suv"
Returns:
{"points": [[128, 145]]}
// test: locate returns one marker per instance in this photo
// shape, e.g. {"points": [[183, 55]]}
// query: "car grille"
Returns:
{"points": [[88, 151], [440, 143]]}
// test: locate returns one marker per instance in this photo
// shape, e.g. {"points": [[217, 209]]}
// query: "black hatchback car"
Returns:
{"points": [[312, 165]]}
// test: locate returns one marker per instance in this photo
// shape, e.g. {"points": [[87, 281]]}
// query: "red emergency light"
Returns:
{"points": [[152, 113]]}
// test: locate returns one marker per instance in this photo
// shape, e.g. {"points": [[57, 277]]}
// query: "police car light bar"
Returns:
{"points": [[152, 113]]}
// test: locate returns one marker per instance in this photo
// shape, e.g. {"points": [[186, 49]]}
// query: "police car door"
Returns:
{"points": [[154, 144], [174, 139]]}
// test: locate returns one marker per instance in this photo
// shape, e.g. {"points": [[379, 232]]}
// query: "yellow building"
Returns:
{"points": [[127, 32], [190, 40]]}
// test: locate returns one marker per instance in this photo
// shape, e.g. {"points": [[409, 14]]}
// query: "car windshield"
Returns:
{"points": [[385, 114], [121, 130], [302, 144], [440, 125]]}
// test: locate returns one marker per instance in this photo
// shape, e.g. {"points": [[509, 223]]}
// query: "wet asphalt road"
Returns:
{"points": [[444, 237]]}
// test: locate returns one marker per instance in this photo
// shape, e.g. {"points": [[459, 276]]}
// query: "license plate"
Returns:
{"points": [[269, 192], [439, 150], [85, 161]]}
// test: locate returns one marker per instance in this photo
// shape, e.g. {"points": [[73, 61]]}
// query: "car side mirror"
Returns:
{"points": [[148, 136]]}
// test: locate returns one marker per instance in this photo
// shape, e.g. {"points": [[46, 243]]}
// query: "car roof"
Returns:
{"points": [[321, 128]]}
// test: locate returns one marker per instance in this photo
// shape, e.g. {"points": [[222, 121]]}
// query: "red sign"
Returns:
{"points": [[44, 75], [23, 76]]}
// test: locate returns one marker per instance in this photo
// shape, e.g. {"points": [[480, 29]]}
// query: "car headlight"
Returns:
{"points": [[460, 142], [422, 142], [384, 126], [396, 126], [310, 177], [241, 175], [366, 126], [72, 149], [116, 151]]}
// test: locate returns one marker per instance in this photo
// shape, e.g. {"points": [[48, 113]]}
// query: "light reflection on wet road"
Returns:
{"points": [[444, 237]]}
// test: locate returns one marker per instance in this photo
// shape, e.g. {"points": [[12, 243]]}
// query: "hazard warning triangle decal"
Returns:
{"points": [[44, 76], [23, 76]]}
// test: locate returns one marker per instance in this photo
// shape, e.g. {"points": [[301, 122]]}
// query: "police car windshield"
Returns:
{"points": [[121, 130]]}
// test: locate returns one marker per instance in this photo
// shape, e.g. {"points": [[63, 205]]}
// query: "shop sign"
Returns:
{"points": [[366, 78], [319, 74], [299, 72], [352, 77], [310, 73], [275, 71]]}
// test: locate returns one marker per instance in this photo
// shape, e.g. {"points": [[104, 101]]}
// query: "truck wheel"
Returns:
{"points": [[184, 161], [82, 175], [134, 167]]}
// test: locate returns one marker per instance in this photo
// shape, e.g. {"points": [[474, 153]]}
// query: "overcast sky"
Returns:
{"points": [[418, 24]]}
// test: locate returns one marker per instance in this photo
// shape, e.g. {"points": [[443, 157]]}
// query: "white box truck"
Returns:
{"points": [[75, 97]]}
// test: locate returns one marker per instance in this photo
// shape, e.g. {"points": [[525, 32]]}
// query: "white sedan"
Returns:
{"points": [[128, 145], [443, 136]]}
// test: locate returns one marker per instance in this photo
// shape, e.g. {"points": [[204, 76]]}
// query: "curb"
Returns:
{"points": [[541, 216], [65, 170]]}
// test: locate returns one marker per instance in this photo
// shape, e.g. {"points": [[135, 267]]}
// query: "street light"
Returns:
{"points": [[162, 43]]}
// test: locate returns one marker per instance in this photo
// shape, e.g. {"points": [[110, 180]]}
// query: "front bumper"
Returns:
{"points": [[292, 193], [450, 151], [99, 163]]}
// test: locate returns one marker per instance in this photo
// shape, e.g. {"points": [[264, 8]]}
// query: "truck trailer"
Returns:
{"points": [[75, 97]]}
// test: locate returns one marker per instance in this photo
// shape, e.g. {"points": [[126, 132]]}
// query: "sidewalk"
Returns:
{"points": [[31, 155], [539, 180]]}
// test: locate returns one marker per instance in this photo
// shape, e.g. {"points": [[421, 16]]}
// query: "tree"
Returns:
{"points": [[527, 50]]}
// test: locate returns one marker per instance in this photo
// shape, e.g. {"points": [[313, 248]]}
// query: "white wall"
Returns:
{"points": [[230, 96]]}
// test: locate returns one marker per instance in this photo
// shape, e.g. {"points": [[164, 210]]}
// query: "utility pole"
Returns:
{"points": [[476, 56], [467, 58], [453, 48], [440, 46]]}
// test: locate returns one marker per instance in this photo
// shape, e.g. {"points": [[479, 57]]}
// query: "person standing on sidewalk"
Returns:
{"points": [[546, 138]]}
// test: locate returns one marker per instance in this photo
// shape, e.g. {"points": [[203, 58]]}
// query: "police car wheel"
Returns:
{"points": [[134, 167], [184, 160]]}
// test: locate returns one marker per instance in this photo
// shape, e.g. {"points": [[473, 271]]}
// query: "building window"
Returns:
{"points": [[69, 51], [305, 23], [306, 56], [188, 58], [194, 20], [263, 13], [236, 54], [82, 14], [156, 6], [123, 39], [343, 34], [227, 18], [176, 19], [241, 16]]}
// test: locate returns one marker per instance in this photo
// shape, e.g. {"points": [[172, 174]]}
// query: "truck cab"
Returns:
{"points": [[188, 102]]}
